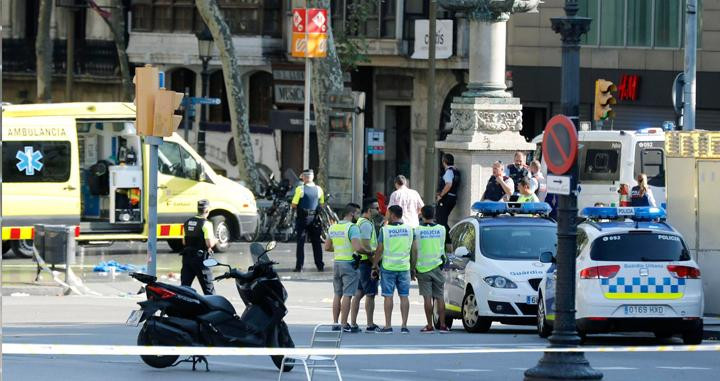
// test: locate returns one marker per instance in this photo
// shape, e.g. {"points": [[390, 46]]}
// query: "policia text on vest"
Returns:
{"points": [[199, 240]]}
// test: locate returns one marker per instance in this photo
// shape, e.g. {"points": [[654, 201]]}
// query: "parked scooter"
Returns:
{"points": [[187, 318]]}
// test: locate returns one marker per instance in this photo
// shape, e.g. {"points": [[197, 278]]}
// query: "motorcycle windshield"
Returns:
{"points": [[257, 251]]}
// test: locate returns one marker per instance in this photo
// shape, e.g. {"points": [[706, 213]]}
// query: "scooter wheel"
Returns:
{"points": [[289, 364], [145, 339], [285, 342]]}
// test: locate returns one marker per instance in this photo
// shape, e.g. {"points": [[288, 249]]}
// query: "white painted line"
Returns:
{"points": [[129, 350], [463, 370], [388, 370], [613, 368], [683, 368]]}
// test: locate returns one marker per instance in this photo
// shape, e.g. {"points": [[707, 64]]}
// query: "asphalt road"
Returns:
{"points": [[99, 320]]}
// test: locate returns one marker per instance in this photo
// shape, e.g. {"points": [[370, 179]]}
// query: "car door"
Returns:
{"points": [[462, 235], [179, 187]]}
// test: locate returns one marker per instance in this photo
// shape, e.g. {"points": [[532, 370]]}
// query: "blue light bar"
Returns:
{"points": [[494, 207], [645, 213]]}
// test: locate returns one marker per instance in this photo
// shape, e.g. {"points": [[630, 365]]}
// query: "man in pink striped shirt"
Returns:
{"points": [[408, 199]]}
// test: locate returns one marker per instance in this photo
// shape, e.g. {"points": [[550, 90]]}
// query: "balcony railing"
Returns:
{"points": [[92, 57]]}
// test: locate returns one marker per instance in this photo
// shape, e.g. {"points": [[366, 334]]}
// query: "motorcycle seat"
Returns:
{"points": [[218, 302]]}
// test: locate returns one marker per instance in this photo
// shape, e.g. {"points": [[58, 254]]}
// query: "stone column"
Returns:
{"points": [[486, 120]]}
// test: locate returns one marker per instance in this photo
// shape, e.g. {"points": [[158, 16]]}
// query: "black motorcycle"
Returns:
{"points": [[179, 316]]}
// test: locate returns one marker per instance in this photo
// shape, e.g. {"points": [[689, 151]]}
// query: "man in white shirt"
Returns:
{"points": [[408, 199]]}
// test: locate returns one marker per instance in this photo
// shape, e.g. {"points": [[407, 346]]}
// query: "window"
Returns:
{"points": [[517, 242], [639, 247], [582, 240], [599, 161], [36, 161], [463, 235], [636, 23], [651, 162], [175, 161]]}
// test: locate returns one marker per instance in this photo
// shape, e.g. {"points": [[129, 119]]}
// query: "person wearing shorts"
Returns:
{"points": [[344, 240], [426, 265], [368, 284], [394, 245]]}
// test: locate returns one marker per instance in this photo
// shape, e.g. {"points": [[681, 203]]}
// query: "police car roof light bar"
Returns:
{"points": [[635, 213], [495, 207], [489, 207]]}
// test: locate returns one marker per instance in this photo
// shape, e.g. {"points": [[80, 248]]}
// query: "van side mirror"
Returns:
{"points": [[202, 176], [462, 252], [547, 257]]}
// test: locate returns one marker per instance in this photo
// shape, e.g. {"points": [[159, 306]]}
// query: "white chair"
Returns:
{"points": [[323, 337]]}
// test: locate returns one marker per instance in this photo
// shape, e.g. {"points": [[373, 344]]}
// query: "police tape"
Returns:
{"points": [[129, 350]]}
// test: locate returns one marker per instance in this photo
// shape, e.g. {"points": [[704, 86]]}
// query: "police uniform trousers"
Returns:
{"points": [[442, 212], [305, 227], [192, 267]]}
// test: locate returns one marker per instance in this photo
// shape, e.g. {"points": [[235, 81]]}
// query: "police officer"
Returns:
{"points": [[199, 240], [394, 245], [517, 170], [307, 199], [426, 265], [447, 189]]}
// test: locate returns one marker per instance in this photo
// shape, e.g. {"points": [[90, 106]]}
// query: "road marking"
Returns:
{"points": [[613, 368], [683, 368], [463, 370], [389, 370]]}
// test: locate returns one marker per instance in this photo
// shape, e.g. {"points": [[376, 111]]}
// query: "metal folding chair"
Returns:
{"points": [[323, 337]]}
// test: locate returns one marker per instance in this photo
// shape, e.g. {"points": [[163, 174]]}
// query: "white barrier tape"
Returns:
{"points": [[129, 350]]}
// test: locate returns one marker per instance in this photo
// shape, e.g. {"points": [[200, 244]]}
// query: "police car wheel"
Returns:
{"points": [[544, 330], [222, 233], [694, 335], [23, 248], [663, 334], [472, 322]]}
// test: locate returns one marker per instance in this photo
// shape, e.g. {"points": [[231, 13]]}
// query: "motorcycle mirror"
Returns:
{"points": [[272, 176], [210, 262], [270, 245]]}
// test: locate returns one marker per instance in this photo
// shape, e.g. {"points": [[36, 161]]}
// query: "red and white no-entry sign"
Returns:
{"points": [[560, 144]]}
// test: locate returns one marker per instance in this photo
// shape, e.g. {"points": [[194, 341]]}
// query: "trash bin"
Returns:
{"points": [[55, 244]]}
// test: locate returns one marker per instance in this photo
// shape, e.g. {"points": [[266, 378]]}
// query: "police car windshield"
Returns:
{"points": [[517, 242], [639, 247]]}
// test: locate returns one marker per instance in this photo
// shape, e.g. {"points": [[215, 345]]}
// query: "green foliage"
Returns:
{"points": [[350, 42]]}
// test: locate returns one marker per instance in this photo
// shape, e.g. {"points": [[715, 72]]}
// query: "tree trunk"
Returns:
{"points": [[327, 78], [116, 23], [213, 17], [44, 53]]}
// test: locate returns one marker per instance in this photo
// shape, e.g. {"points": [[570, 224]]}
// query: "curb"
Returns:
{"points": [[32, 290]]}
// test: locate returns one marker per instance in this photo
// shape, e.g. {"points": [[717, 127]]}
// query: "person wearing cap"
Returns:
{"points": [[307, 199], [198, 241]]}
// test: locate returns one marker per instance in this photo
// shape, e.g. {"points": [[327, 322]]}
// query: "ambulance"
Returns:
{"points": [[607, 159], [83, 165]]}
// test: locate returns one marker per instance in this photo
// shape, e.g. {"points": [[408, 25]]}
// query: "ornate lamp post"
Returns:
{"points": [[205, 45], [567, 365]]}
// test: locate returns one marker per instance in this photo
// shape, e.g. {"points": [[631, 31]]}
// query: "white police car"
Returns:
{"points": [[495, 272], [634, 273]]}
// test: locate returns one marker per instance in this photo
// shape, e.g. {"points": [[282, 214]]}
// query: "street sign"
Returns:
{"points": [[678, 97], [309, 33], [558, 185], [375, 142], [560, 144]]}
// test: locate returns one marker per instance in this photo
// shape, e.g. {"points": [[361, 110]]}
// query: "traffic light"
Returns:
{"points": [[146, 86], [166, 122], [603, 99], [155, 107]]}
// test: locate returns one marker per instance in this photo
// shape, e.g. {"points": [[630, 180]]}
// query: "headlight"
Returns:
{"points": [[498, 281]]}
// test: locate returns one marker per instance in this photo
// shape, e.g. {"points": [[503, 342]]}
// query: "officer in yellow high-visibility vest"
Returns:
{"points": [[368, 285], [394, 245], [426, 265], [344, 240]]}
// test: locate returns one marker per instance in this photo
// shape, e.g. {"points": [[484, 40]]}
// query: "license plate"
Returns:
{"points": [[532, 299], [644, 310], [134, 318]]}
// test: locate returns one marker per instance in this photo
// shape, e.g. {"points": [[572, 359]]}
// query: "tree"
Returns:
{"points": [[213, 17], [350, 43], [115, 20], [44, 52]]}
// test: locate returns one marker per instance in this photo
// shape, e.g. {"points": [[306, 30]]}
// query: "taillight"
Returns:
{"points": [[600, 272], [684, 272], [77, 231], [161, 292]]}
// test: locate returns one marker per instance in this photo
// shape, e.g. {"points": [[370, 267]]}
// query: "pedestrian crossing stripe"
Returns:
{"points": [[173, 230], [16, 233]]}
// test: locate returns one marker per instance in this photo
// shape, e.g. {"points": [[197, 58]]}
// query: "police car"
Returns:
{"points": [[494, 273], [634, 273]]}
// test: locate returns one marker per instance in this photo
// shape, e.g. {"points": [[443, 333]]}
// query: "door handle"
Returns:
{"points": [[69, 188], [162, 186]]}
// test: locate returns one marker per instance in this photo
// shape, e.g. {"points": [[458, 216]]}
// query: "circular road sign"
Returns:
{"points": [[559, 145]]}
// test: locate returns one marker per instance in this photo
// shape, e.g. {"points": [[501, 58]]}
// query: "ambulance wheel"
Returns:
{"points": [[176, 245], [694, 335], [23, 248], [543, 328], [5, 250], [473, 322], [222, 233], [436, 319]]}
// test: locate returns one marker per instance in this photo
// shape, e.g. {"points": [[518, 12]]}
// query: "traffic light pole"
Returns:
{"points": [[567, 365], [153, 142]]}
